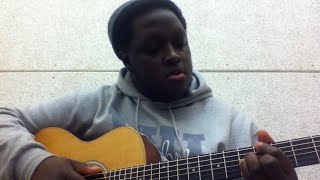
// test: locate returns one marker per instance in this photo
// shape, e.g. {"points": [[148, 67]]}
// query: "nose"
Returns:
{"points": [[172, 57]]}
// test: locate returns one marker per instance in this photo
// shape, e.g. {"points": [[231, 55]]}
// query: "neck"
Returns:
{"points": [[219, 166], [157, 95]]}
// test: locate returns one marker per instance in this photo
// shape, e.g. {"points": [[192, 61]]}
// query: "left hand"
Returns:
{"points": [[272, 165]]}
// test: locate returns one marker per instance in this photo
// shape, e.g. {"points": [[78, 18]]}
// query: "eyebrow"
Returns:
{"points": [[156, 36]]}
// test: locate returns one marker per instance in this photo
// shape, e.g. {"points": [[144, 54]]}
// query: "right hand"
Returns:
{"points": [[57, 168]]}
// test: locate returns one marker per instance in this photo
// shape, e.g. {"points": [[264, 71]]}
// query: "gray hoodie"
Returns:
{"points": [[197, 124]]}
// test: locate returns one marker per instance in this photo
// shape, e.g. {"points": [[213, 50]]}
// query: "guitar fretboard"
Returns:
{"points": [[217, 166]]}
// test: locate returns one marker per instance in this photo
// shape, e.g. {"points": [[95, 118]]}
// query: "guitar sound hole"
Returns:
{"points": [[99, 164]]}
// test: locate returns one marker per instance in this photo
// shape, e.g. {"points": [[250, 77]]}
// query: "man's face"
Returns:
{"points": [[159, 56]]}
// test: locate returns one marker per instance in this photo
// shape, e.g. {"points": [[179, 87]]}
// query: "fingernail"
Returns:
{"points": [[241, 161], [258, 145], [92, 166]]}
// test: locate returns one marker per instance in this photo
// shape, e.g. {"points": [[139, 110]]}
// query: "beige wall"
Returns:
{"points": [[262, 56]]}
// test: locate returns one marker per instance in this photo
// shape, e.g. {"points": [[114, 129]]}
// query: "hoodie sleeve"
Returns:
{"points": [[19, 153], [243, 131]]}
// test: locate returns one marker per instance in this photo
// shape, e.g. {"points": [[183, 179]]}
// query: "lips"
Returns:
{"points": [[176, 75]]}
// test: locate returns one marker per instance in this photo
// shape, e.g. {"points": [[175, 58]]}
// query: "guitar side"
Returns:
{"points": [[120, 148]]}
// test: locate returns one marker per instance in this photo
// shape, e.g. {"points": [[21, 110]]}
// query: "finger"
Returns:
{"points": [[277, 153], [85, 169], [253, 165], [271, 167], [263, 136], [73, 175], [244, 169]]}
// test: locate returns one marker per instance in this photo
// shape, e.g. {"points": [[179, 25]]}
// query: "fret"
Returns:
{"points": [[316, 141], [183, 169], [205, 167], [163, 167], [122, 173], [193, 168], [238, 154], [199, 168], [304, 151], [112, 174], [159, 171], [172, 169], [315, 148], [128, 173], [168, 170], [144, 172], [147, 172], [225, 165], [155, 171], [211, 167], [293, 153], [140, 170], [218, 166], [188, 168], [232, 164], [287, 148], [134, 171], [239, 159], [116, 174], [178, 169], [151, 171]]}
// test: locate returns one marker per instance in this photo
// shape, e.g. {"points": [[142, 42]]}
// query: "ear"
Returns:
{"points": [[125, 60]]}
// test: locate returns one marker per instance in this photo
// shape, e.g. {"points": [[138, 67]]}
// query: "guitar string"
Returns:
{"points": [[231, 173], [195, 167], [168, 176], [164, 163], [248, 148]]}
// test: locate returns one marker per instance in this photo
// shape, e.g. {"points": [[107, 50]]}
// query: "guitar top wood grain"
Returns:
{"points": [[120, 148]]}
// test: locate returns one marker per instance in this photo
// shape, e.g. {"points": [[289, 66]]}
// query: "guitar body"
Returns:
{"points": [[124, 153], [120, 148]]}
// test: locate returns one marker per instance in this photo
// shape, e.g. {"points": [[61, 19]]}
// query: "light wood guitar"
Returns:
{"points": [[124, 153]]}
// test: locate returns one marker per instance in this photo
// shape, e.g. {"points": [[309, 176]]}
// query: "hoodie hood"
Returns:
{"points": [[198, 90]]}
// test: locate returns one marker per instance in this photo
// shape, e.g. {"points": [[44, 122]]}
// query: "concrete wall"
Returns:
{"points": [[262, 56]]}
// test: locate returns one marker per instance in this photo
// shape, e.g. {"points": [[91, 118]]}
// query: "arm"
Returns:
{"points": [[19, 153]]}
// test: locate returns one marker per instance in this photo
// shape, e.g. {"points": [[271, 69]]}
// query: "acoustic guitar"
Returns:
{"points": [[124, 153]]}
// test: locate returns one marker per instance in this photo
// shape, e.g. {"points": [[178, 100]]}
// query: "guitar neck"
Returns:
{"points": [[217, 166]]}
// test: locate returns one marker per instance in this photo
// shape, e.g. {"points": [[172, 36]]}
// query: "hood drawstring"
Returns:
{"points": [[137, 109], [172, 118], [175, 127]]}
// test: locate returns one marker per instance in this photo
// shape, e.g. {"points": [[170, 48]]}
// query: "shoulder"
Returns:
{"points": [[95, 92], [233, 114]]}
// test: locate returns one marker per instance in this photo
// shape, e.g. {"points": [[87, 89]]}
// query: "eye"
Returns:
{"points": [[152, 47], [180, 43]]}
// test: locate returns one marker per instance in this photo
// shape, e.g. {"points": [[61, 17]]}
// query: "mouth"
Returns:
{"points": [[177, 75]]}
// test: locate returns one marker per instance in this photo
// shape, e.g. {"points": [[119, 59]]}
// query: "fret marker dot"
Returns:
{"points": [[218, 165], [140, 178], [193, 170]]}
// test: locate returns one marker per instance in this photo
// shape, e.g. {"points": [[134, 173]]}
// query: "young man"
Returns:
{"points": [[157, 93]]}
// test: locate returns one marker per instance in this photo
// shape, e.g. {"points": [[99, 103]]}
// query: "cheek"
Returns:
{"points": [[148, 68]]}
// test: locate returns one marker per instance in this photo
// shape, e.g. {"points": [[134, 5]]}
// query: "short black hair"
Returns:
{"points": [[120, 28]]}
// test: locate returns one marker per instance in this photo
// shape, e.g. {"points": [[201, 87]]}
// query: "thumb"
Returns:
{"points": [[263, 136], [85, 169]]}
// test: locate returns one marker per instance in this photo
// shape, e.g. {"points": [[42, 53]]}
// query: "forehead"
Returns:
{"points": [[155, 22]]}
